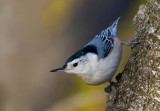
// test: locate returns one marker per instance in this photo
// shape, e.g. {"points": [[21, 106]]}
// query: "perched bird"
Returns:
{"points": [[98, 61]]}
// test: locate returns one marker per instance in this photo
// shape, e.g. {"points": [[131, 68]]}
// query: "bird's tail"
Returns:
{"points": [[112, 30]]}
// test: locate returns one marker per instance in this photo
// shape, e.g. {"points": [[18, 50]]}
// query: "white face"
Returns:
{"points": [[82, 65], [76, 66]]}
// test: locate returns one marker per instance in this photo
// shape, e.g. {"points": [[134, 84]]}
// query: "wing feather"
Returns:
{"points": [[104, 45], [104, 41]]}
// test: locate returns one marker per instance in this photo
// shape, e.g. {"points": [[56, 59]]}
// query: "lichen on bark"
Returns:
{"points": [[139, 87]]}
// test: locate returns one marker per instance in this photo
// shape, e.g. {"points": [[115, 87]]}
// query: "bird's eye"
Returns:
{"points": [[75, 64]]}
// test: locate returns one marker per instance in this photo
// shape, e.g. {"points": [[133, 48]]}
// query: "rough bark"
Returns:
{"points": [[139, 87]]}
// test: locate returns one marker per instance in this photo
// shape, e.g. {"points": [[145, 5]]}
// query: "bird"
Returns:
{"points": [[97, 62]]}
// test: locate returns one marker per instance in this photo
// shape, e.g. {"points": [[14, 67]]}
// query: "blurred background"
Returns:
{"points": [[39, 35]]}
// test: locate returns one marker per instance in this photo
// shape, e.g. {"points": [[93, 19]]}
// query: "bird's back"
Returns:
{"points": [[104, 41]]}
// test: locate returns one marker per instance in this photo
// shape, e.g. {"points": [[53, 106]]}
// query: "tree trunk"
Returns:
{"points": [[139, 87]]}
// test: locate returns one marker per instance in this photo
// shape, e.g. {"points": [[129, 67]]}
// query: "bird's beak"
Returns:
{"points": [[57, 70]]}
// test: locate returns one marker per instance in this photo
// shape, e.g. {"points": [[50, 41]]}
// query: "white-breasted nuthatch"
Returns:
{"points": [[98, 61]]}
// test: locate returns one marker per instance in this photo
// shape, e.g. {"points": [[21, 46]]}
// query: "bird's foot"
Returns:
{"points": [[118, 77], [108, 89], [112, 88], [131, 42]]}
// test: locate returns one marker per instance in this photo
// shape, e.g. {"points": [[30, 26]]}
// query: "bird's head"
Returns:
{"points": [[76, 66], [80, 62]]}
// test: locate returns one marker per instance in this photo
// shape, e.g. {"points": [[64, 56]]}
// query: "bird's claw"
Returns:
{"points": [[108, 89], [118, 77], [131, 42], [112, 90], [134, 45]]}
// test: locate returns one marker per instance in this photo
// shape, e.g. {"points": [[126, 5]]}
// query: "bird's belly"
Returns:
{"points": [[99, 76], [103, 70], [91, 80]]}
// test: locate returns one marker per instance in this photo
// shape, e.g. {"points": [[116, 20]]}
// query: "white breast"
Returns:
{"points": [[103, 70]]}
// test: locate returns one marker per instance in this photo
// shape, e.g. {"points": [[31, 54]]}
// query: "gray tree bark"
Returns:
{"points": [[139, 87]]}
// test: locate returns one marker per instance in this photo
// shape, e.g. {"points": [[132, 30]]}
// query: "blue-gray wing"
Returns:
{"points": [[103, 44], [104, 41]]}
